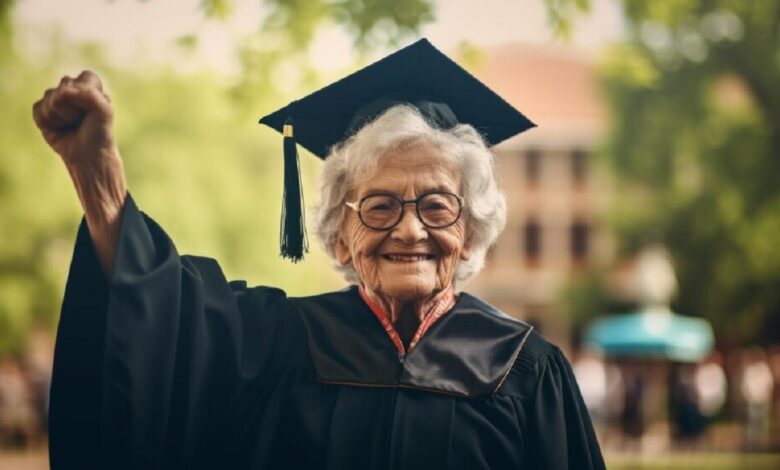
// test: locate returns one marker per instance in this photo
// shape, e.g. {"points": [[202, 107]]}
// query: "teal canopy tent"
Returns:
{"points": [[658, 334]]}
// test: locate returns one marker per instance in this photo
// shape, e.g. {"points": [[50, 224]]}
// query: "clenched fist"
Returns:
{"points": [[76, 120]]}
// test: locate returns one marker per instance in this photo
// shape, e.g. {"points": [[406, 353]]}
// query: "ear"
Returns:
{"points": [[465, 252], [343, 256]]}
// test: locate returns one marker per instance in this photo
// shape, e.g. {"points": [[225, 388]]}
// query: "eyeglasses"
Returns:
{"points": [[385, 211]]}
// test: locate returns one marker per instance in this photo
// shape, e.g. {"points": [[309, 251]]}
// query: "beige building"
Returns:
{"points": [[554, 192]]}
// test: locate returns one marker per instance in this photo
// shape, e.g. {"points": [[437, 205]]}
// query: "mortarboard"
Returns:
{"points": [[418, 74]]}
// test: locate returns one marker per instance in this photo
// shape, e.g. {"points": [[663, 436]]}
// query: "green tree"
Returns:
{"points": [[371, 22], [196, 161], [694, 145]]}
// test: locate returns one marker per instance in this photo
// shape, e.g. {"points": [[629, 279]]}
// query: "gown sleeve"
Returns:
{"points": [[147, 362], [560, 433]]}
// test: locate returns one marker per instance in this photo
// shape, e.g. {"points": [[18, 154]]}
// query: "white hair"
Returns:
{"points": [[398, 128]]}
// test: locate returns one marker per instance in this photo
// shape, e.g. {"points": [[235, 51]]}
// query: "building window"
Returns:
{"points": [[532, 241], [533, 166], [580, 240], [579, 167]]}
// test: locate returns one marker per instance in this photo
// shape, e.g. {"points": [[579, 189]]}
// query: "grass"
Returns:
{"points": [[694, 462]]}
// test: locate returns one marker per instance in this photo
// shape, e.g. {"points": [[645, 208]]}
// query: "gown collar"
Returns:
{"points": [[467, 352], [442, 305]]}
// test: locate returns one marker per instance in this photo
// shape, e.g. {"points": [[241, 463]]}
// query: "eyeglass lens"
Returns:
{"points": [[435, 210]]}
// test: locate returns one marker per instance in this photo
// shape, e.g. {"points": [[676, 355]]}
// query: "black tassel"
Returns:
{"points": [[292, 237]]}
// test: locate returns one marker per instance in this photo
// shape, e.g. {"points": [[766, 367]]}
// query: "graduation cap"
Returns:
{"points": [[419, 75]]}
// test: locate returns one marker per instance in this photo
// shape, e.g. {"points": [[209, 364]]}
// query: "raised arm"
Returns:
{"points": [[76, 120]]}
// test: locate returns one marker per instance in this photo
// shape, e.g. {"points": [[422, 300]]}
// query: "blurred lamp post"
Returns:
{"points": [[654, 331]]}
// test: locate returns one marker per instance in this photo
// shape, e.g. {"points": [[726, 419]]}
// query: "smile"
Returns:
{"points": [[407, 258]]}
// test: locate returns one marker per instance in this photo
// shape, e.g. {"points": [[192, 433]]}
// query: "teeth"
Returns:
{"points": [[407, 257]]}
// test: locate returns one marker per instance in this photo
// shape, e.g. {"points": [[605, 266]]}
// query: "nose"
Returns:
{"points": [[410, 229]]}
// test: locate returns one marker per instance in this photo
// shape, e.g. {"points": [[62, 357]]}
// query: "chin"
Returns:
{"points": [[408, 291]]}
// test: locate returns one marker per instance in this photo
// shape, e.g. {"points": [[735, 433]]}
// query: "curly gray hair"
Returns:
{"points": [[398, 128]]}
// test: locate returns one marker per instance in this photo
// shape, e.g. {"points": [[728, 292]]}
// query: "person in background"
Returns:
{"points": [[757, 386], [18, 423], [774, 364]]}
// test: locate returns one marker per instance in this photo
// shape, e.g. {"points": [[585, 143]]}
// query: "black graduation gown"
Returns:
{"points": [[168, 366]]}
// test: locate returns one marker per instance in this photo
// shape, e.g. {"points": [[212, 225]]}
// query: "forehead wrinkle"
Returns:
{"points": [[420, 178], [410, 183]]}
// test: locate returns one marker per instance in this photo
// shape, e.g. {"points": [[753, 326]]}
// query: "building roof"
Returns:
{"points": [[554, 86]]}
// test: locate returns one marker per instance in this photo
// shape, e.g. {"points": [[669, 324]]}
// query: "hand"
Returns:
{"points": [[76, 120]]}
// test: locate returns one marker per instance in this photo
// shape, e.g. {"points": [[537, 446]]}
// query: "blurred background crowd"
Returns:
{"points": [[643, 210]]}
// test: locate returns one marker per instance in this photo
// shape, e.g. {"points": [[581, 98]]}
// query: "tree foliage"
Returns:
{"points": [[196, 160], [695, 147], [371, 22]]}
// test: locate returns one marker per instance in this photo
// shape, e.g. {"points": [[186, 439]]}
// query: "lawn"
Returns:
{"points": [[694, 462], [38, 460]]}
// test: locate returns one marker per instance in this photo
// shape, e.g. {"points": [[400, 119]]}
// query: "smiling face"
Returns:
{"points": [[409, 261]]}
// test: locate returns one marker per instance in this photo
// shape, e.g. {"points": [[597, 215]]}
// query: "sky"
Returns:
{"points": [[137, 30]]}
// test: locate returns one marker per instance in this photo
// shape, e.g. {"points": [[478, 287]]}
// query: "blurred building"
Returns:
{"points": [[555, 193]]}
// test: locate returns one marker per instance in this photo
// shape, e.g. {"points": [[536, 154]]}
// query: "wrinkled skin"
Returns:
{"points": [[76, 120], [407, 286]]}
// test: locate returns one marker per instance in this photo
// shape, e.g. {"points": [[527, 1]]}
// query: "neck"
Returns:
{"points": [[420, 308]]}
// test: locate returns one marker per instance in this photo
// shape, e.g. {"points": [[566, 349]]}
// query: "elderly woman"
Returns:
{"points": [[162, 363]]}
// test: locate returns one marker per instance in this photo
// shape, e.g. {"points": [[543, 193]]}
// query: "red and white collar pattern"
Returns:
{"points": [[443, 304]]}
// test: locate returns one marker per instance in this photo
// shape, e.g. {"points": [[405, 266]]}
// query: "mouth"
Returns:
{"points": [[407, 258]]}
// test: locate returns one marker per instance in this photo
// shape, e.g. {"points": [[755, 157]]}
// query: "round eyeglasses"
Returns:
{"points": [[385, 211]]}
